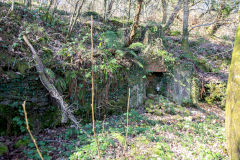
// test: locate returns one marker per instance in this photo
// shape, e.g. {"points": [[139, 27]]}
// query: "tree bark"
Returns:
{"points": [[173, 15], [220, 17], [66, 113], [105, 10], [74, 13], [75, 18], [12, 6], [135, 23], [129, 9], [109, 9], [28, 3], [48, 9], [164, 11], [185, 43], [233, 102]]}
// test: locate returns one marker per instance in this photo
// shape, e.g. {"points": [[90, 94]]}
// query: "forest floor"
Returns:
{"points": [[179, 133], [183, 133]]}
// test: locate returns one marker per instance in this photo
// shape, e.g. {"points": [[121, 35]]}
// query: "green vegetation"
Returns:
{"points": [[175, 66], [3, 149]]}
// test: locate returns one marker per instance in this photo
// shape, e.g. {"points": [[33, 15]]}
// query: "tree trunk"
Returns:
{"points": [[28, 3], [129, 9], [233, 102], [74, 13], [135, 23], [75, 18], [12, 6], [220, 16], [56, 2], [164, 11], [48, 9], [173, 15], [110, 5], [50, 87], [105, 10], [185, 43]]}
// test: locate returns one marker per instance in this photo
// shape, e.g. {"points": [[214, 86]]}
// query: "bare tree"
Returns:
{"points": [[105, 10], [221, 16], [56, 2], [129, 9], [12, 6], [110, 5], [173, 15], [78, 8], [164, 11], [28, 3], [135, 23], [185, 44], [48, 9]]}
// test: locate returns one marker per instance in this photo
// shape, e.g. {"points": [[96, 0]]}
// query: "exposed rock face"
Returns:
{"points": [[138, 93], [17, 89], [181, 86], [22, 88]]}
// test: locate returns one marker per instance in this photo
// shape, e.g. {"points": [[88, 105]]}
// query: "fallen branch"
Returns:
{"points": [[201, 25], [66, 113], [29, 131]]}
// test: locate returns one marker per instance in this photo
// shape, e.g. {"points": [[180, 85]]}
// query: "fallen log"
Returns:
{"points": [[66, 113]]}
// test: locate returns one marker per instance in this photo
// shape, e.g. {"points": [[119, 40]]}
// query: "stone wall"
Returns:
{"points": [[13, 92]]}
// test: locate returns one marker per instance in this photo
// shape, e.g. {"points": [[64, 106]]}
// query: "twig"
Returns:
{"points": [[201, 25], [127, 119], [93, 121], [29, 131]]}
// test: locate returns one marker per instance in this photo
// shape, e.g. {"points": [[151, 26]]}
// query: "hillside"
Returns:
{"points": [[177, 98]]}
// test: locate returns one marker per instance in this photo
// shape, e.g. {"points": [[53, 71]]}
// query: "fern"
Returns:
{"points": [[137, 45], [110, 40], [70, 75], [61, 84]]}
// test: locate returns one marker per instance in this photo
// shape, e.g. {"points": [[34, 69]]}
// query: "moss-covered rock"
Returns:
{"points": [[3, 149], [149, 103], [216, 93]]}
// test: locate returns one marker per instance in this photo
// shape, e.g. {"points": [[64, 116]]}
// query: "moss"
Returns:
{"points": [[142, 140], [22, 67], [216, 93], [3, 149], [174, 33], [11, 74], [204, 65], [21, 143], [149, 103], [150, 90], [195, 90], [186, 112], [233, 102], [119, 137]]}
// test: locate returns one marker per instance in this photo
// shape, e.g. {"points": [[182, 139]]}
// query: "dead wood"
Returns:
{"points": [[66, 113]]}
